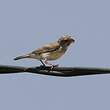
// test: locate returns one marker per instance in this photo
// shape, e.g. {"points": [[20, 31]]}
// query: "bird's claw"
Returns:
{"points": [[42, 66], [53, 66]]}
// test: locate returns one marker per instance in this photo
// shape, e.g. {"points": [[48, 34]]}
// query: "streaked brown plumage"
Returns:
{"points": [[50, 51]]}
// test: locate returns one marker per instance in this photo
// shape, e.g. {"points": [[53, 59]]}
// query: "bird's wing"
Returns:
{"points": [[47, 48]]}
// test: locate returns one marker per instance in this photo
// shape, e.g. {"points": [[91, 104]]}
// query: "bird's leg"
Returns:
{"points": [[43, 64], [52, 66]]}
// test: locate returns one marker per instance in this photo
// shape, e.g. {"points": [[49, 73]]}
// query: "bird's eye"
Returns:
{"points": [[66, 40]]}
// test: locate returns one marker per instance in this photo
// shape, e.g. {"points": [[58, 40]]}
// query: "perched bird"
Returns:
{"points": [[50, 51]]}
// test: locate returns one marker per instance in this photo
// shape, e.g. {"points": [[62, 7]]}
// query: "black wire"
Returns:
{"points": [[56, 71]]}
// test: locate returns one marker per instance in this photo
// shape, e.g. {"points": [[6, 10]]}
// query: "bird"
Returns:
{"points": [[51, 51]]}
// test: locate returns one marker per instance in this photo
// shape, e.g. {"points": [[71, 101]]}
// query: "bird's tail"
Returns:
{"points": [[21, 57]]}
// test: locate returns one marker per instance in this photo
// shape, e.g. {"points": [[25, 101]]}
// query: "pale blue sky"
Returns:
{"points": [[26, 25]]}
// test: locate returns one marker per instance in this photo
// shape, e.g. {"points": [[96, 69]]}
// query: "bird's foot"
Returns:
{"points": [[42, 66], [52, 66]]}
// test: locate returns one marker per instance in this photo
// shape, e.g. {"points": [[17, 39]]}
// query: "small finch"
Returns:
{"points": [[52, 51]]}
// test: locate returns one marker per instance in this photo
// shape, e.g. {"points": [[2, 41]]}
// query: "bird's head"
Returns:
{"points": [[65, 40]]}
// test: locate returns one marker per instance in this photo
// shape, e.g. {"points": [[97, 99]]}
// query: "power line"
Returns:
{"points": [[56, 71]]}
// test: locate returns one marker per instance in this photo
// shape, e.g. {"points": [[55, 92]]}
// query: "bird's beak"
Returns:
{"points": [[72, 40]]}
